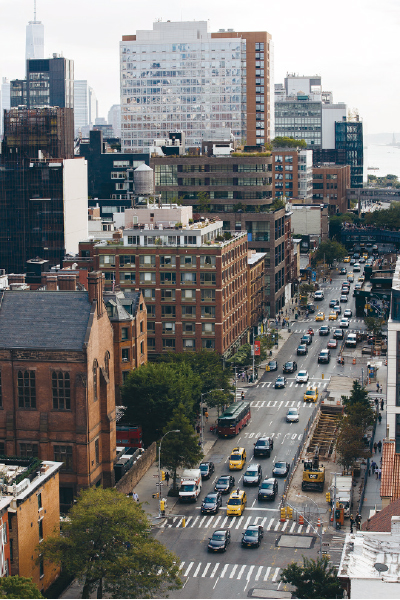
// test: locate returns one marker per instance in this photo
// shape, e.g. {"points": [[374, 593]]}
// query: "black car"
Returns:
{"points": [[273, 365], [333, 303], [211, 503], [343, 271], [324, 330], [252, 536], [263, 446], [281, 469], [306, 339], [280, 382], [302, 349], [219, 540], [268, 489], [224, 484], [207, 469], [290, 366], [324, 356], [338, 334]]}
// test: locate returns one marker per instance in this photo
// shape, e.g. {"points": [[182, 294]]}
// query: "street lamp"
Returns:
{"points": [[159, 464], [201, 410], [319, 533]]}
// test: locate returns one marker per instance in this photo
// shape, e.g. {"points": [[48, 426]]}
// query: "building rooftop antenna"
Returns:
{"points": [[34, 10]]}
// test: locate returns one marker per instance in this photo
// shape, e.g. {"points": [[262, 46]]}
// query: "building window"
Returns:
{"points": [[125, 354], [26, 389], [97, 451], [168, 327], [169, 344], [208, 295], [27, 450], [151, 343], [4, 533], [41, 568], [40, 524], [61, 388], [147, 277], [106, 260], [127, 276], [95, 367], [125, 376], [151, 327], [1, 395], [2, 449], [149, 293], [188, 278], [141, 348], [151, 310], [168, 311], [207, 279], [188, 261], [208, 312], [124, 333], [188, 295], [188, 312], [208, 328], [168, 278], [208, 344], [64, 454], [167, 261], [188, 327], [147, 260], [189, 344], [107, 363], [39, 500]]}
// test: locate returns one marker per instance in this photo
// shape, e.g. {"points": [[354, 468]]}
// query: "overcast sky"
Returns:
{"points": [[352, 44]]}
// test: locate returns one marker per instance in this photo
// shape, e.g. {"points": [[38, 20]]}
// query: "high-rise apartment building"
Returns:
{"points": [[34, 40], [114, 119], [81, 105], [49, 82], [349, 139], [180, 77], [4, 101]]}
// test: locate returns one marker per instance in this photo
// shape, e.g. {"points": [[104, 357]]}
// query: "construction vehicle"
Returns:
{"points": [[313, 474]]}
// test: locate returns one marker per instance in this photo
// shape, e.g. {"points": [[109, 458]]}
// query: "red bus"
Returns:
{"points": [[129, 436], [236, 416]]}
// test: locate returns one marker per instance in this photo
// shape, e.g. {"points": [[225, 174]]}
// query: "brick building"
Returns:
{"points": [[57, 383], [193, 278], [255, 287], [330, 183]]}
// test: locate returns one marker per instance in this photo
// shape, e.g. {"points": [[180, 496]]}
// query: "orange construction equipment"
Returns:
{"points": [[354, 361], [319, 523], [301, 520]]}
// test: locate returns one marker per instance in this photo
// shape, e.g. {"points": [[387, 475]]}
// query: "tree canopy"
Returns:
{"points": [[313, 579], [106, 544], [389, 218], [329, 251], [18, 587], [288, 142]]}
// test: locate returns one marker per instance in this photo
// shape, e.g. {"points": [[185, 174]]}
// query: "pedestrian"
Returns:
{"points": [[242, 395], [379, 446], [351, 523], [380, 389], [379, 418], [379, 473], [377, 388], [373, 466], [376, 471], [330, 280], [377, 403], [135, 497], [206, 415], [375, 447], [358, 521], [381, 403], [198, 428], [167, 478]]}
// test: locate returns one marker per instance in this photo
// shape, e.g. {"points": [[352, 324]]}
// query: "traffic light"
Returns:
{"points": [[162, 475], [289, 512], [328, 497], [337, 513], [283, 514]]}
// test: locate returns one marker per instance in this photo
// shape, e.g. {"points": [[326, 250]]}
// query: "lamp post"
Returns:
{"points": [[319, 533], [159, 464], [201, 410]]}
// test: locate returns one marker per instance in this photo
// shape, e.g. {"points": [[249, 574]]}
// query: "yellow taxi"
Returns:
{"points": [[346, 259], [236, 503], [237, 459], [320, 316], [361, 278], [311, 394], [350, 275], [365, 255], [333, 316]]}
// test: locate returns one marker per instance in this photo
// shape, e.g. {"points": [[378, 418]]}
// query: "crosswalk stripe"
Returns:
{"points": [[241, 572], [188, 569], [215, 569], [181, 565], [263, 521], [224, 570], [232, 574], [277, 526], [188, 521], [197, 570], [193, 522], [267, 573], [224, 521], [308, 528], [206, 569], [202, 521], [292, 527], [286, 523], [258, 574], [240, 520], [269, 524], [216, 521], [247, 523], [300, 528], [275, 576], [250, 572]]}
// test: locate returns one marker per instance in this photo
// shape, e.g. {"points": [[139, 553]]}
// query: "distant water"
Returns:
{"points": [[386, 158]]}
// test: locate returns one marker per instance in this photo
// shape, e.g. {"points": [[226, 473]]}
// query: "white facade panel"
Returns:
{"points": [[75, 196], [330, 114]]}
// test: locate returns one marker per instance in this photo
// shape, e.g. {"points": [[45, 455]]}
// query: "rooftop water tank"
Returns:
{"points": [[143, 177]]}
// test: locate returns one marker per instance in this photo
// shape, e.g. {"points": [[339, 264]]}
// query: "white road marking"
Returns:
{"points": [[275, 576], [188, 569], [224, 570], [258, 574], [267, 573], [232, 574], [238, 523], [197, 570], [241, 572], [206, 569], [214, 570]]}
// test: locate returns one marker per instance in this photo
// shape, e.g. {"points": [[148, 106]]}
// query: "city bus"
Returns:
{"points": [[236, 416]]}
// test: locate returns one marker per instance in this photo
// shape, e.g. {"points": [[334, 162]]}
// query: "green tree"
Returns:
{"points": [[374, 325], [106, 544], [203, 200], [180, 449], [151, 393], [18, 587], [329, 251], [313, 579], [219, 398], [358, 395], [350, 445], [288, 142]]}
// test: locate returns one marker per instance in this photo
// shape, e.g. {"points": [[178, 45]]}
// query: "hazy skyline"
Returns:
{"points": [[351, 44]]}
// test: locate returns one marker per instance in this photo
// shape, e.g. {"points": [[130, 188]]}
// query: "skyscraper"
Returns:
{"points": [[180, 77], [34, 38], [4, 101]]}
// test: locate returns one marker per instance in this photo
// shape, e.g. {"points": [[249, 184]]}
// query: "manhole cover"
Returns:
{"points": [[295, 541]]}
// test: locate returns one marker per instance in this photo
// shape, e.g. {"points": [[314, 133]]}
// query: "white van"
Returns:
{"points": [[351, 340]]}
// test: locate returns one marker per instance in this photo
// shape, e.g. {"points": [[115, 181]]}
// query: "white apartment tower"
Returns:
{"points": [[181, 77], [34, 38], [85, 107]]}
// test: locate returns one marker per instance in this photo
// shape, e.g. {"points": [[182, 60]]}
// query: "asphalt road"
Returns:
{"points": [[235, 573]]}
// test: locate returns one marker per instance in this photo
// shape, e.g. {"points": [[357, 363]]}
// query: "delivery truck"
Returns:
{"points": [[190, 487]]}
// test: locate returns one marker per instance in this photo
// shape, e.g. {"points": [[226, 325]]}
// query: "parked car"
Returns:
{"points": [[281, 468], [252, 536], [292, 415], [290, 366], [219, 540], [268, 489], [253, 475], [280, 382], [211, 503], [207, 468]]}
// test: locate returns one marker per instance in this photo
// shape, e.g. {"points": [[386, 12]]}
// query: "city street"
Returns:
{"points": [[236, 572]]}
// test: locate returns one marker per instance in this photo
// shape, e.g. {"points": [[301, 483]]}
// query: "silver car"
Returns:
{"points": [[253, 475], [292, 415]]}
